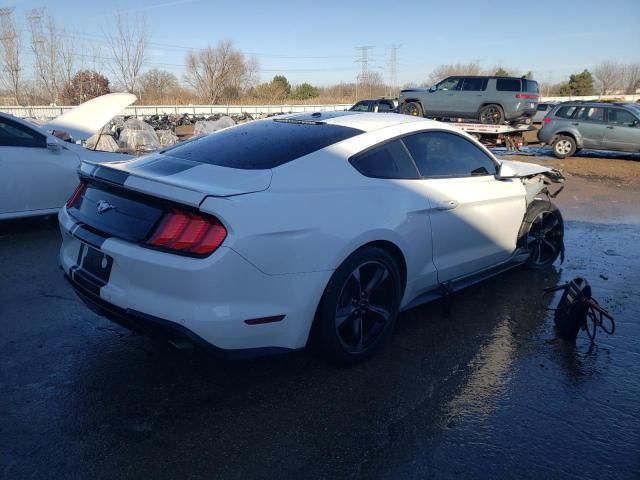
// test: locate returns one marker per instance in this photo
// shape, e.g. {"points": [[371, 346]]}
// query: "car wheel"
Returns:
{"points": [[412, 108], [359, 306], [563, 146], [542, 233], [491, 115]]}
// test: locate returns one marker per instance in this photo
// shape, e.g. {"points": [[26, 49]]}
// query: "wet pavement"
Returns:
{"points": [[473, 386]]}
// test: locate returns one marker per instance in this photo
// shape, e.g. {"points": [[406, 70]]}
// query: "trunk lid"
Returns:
{"points": [[176, 179]]}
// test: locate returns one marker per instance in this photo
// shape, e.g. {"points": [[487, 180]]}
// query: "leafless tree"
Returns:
{"points": [[127, 37], [156, 86], [444, 71], [47, 46], [216, 72], [608, 76], [10, 54], [632, 78]]}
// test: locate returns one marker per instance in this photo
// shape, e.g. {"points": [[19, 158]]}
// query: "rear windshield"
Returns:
{"points": [[508, 84], [531, 86], [262, 144]]}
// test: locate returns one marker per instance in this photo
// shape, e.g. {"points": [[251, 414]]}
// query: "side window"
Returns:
{"points": [[472, 84], [16, 135], [360, 107], [590, 114], [531, 86], [566, 111], [542, 107], [390, 160], [508, 84], [442, 154], [621, 117], [385, 107], [453, 83]]}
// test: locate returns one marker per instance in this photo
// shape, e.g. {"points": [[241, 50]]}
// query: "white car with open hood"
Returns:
{"points": [[38, 171], [259, 237]]}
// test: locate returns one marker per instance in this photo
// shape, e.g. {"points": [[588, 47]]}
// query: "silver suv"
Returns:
{"points": [[571, 126], [491, 100]]}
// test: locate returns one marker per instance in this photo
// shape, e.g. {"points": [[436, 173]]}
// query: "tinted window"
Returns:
{"points": [[566, 111], [385, 107], [590, 114], [531, 86], [474, 84], [390, 160], [450, 84], [441, 154], [508, 84], [360, 107], [542, 107], [15, 135], [262, 144], [621, 117]]}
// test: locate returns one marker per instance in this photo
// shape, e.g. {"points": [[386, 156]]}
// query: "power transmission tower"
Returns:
{"points": [[393, 68], [363, 60]]}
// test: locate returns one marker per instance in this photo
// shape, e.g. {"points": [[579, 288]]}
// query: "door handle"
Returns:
{"points": [[610, 127], [446, 204], [576, 124]]}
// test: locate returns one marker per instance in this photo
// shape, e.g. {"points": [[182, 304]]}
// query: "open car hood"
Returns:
{"points": [[89, 117]]}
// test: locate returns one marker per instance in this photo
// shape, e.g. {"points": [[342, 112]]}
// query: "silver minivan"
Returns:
{"points": [[572, 126]]}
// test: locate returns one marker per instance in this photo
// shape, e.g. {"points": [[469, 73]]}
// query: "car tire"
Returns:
{"points": [[542, 234], [359, 307], [563, 146], [491, 115], [412, 108]]}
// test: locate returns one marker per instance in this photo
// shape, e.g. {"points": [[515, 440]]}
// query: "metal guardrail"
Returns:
{"points": [[143, 110]]}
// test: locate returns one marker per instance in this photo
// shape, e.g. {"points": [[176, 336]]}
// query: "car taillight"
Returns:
{"points": [[527, 96], [189, 233], [546, 120], [76, 194]]}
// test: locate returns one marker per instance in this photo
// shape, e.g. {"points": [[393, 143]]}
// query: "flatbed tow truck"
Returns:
{"points": [[509, 136]]}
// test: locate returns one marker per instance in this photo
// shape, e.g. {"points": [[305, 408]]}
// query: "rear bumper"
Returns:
{"points": [[208, 300], [161, 328]]}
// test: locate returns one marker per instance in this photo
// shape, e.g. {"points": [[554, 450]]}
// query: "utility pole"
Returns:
{"points": [[363, 60], [393, 68]]}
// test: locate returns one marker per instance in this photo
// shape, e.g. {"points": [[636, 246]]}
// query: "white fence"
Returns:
{"points": [[138, 111], [52, 112], [591, 98]]}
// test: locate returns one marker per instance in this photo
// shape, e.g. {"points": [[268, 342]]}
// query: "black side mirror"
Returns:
{"points": [[433, 88]]}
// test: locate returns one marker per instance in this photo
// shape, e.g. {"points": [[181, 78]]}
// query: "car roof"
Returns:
{"points": [[595, 103], [365, 121], [23, 122]]}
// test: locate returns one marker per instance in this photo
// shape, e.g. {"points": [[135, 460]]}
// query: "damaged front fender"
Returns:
{"points": [[536, 178]]}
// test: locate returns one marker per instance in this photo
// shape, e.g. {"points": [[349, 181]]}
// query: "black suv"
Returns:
{"points": [[491, 100]]}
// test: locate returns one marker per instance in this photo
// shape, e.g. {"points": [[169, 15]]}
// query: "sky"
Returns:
{"points": [[316, 41]]}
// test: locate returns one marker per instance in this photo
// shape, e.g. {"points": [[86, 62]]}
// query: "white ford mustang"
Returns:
{"points": [[325, 225]]}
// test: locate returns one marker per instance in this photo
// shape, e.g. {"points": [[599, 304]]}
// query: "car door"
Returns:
{"points": [[475, 218], [38, 172], [441, 98], [470, 97], [622, 131], [590, 122]]}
